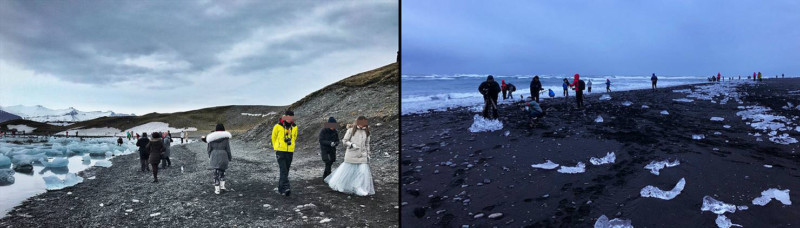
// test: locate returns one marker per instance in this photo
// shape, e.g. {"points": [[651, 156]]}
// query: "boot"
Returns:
{"points": [[216, 190], [222, 185]]}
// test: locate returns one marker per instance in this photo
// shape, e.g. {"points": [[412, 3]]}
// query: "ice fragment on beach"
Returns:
{"points": [[698, 137], [55, 183], [783, 139], [546, 165], [603, 222], [716, 206], [155, 214], [481, 124], [325, 220], [507, 133], [605, 97], [656, 166], [5, 162], [6, 177], [579, 168], [717, 118], [725, 222], [609, 158], [655, 192], [103, 163], [599, 119], [57, 162], [768, 166], [773, 193], [645, 106], [664, 112], [684, 100], [726, 126], [627, 103]]}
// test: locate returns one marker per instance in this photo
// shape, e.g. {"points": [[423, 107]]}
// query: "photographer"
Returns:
{"points": [[284, 135], [489, 89]]}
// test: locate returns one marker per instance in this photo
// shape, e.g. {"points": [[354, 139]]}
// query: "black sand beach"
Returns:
{"points": [[490, 172]]}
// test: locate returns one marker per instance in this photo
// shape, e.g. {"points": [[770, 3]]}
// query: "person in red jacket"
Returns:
{"points": [[504, 88], [719, 77], [578, 91]]}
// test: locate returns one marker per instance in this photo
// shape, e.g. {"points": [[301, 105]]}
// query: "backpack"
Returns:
{"points": [[581, 85], [511, 87], [552, 94]]}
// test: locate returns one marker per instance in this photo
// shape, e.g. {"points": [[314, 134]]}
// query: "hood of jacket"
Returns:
{"points": [[217, 135]]}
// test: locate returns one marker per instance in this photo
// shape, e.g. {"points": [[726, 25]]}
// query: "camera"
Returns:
{"points": [[288, 141]]}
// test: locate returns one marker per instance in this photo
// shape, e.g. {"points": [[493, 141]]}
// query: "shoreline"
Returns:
{"points": [[453, 177]]}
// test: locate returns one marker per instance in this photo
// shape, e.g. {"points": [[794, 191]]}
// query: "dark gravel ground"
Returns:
{"points": [[186, 199]]}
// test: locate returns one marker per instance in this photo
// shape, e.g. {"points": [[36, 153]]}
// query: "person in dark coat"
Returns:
{"points": [[165, 156], [536, 86], [156, 148], [119, 141], [143, 152], [490, 90], [219, 155], [654, 79], [328, 140]]}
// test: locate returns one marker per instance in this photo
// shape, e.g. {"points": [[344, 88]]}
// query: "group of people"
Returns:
{"points": [[153, 151], [353, 176], [756, 77]]}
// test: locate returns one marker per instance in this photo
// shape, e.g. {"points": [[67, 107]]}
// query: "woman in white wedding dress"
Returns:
{"points": [[353, 175]]}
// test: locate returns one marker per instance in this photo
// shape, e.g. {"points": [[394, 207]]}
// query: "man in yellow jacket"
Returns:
{"points": [[284, 135]]}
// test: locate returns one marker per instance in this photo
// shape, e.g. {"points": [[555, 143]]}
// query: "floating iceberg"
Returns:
{"points": [[55, 183], [603, 222], [546, 165], [684, 100], [717, 118], [656, 166], [664, 112], [609, 158], [6, 177], [605, 97], [716, 206], [599, 119], [655, 192], [5, 162], [579, 168], [103, 163], [481, 124], [773, 193], [57, 162]]}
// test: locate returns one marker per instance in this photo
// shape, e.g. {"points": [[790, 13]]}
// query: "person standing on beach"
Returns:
{"points": [[754, 76], [783, 76], [128, 134], [536, 86], [654, 79], [156, 148], [219, 155], [165, 156], [504, 88], [182, 135], [353, 175], [759, 79], [579, 86], [284, 135], [565, 85], [119, 141], [328, 140], [490, 90], [143, 152], [511, 88], [588, 85], [608, 85]]}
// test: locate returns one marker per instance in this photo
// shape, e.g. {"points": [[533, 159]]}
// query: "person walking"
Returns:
{"points": [[219, 155], [654, 79], [759, 79], [165, 156], [353, 176], [536, 86], [182, 135], [156, 148], [490, 90], [284, 135], [143, 152], [128, 134], [328, 140], [608, 85]]}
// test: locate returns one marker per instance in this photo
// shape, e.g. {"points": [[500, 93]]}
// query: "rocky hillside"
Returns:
{"points": [[374, 94]]}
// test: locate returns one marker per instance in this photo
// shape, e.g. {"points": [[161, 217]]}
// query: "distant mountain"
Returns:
{"points": [[5, 116], [42, 114]]}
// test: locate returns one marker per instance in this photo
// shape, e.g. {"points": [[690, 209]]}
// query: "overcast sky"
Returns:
{"points": [[166, 56], [625, 37]]}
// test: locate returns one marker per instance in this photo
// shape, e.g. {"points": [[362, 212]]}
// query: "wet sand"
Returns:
{"points": [[490, 172]]}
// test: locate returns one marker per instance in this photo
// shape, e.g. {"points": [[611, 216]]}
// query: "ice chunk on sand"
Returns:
{"points": [[6, 177], [599, 119], [645, 106], [609, 158], [57, 162], [726, 126], [783, 139], [655, 192], [55, 183], [481, 124], [656, 166], [546, 165], [103, 163], [725, 222], [716, 206], [717, 118], [603, 222], [773, 193], [768, 166], [684, 100], [605, 97], [664, 112], [698, 137], [627, 103], [5, 162], [579, 168]]}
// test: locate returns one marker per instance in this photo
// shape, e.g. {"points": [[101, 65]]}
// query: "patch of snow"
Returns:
{"points": [[158, 127], [605, 97], [481, 124], [21, 127], [103, 131], [717, 118], [655, 192], [684, 100]]}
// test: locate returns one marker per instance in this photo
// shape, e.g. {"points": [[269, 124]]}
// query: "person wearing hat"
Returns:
{"points": [[328, 140], [156, 148], [284, 135], [219, 155], [489, 89], [143, 152]]}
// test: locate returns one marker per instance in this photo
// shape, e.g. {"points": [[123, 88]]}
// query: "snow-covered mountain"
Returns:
{"points": [[42, 114]]}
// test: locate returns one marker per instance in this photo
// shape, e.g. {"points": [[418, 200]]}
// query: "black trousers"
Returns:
{"points": [[165, 161], [328, 157], [143, 162], [219, 175], [504, 94], [284, 163], [579, 98], [535, 95], [489, 107]]}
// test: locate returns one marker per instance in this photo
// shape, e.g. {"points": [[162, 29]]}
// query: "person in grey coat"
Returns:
{"points": [[219, 154], [165, 157]]}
